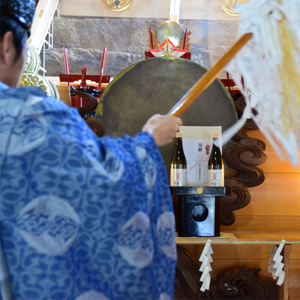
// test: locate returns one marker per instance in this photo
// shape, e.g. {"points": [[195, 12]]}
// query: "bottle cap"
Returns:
{"points": [[178, 134], [216, 135]]}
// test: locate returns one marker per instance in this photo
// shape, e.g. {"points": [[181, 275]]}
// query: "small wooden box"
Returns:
{"points": [[199, 210]]}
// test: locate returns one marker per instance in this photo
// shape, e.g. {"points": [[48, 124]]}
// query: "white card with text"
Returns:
{"points": [[197, 144]]}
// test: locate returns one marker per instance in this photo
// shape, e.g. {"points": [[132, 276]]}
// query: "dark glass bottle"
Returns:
{"points": [[178, 171], [216, 163]]}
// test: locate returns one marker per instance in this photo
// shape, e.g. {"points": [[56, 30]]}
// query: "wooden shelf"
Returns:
{"points": [[254, 239]]}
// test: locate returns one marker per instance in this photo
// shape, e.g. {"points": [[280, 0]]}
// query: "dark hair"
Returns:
{"points": [[9, 24], [17, 16]]}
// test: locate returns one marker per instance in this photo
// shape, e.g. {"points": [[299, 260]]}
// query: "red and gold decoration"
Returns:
{"points": [[169, 39]]}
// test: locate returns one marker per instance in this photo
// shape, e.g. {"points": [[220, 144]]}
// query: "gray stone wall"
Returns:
{"points": [[126, 42]]}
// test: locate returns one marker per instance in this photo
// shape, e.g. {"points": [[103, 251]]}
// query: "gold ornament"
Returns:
{"points": [[30, 76], [117, 5], [228, 6]]}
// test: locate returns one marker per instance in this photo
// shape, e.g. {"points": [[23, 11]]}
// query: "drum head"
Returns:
{"points": [[154, 86]]}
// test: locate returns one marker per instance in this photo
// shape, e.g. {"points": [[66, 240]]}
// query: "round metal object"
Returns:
{"points": [[228, 6], [175, 32], [153, 86], [199, 190], [117, 5]]}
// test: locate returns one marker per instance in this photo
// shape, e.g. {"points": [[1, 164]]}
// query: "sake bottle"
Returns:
{"points": [[216, 163], [178, 172]]}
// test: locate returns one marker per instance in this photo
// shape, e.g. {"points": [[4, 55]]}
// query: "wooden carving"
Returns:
{"points": [[90, 102], [243, 283], [240, 198], [243, 157], [96, 126], [187, 284], [89, 106]]}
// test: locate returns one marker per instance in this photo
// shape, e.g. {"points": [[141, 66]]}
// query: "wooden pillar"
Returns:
{"points": [[284, 288]]}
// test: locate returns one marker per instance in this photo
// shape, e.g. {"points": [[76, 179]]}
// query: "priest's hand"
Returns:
{"points": [[163, 128]]}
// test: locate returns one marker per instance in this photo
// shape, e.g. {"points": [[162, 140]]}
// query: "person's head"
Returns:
{"points": [[15, 22]]}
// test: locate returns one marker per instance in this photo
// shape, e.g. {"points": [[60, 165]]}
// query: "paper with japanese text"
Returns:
{"points": [[197, 144]]}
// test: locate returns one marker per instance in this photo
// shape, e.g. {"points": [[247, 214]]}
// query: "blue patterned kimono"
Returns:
{"points": [[82, 217]]}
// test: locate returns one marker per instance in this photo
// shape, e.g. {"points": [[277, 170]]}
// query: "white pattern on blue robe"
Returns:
{"points": [[82, 217]]}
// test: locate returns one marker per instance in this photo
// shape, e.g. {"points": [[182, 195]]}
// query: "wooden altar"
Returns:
{"points": [[187, 287], [272, 215]]}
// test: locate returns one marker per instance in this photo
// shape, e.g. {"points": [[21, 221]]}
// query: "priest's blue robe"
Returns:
{"points": [[82, 217]]}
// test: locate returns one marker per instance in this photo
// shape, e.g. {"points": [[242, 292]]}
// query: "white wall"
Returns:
{"points": [[189, 9]]}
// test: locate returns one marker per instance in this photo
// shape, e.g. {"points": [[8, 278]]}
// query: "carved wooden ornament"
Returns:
{"points": [[231, 283], [243, 156]]}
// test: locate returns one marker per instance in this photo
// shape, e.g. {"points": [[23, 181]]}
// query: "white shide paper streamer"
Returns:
{"points": [[258, 63], [275, 263], [205, 267]]}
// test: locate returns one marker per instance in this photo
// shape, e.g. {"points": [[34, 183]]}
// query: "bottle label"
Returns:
{"points": [[178, 177], [216, 177], [199, 172]]}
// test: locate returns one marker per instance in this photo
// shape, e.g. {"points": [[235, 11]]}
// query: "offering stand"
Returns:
{"points": [[199, 209]]}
